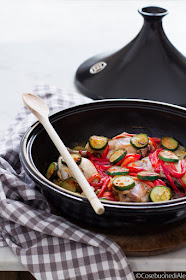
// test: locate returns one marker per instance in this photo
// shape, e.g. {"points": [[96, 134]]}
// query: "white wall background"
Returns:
{"points": [[44, 41]]}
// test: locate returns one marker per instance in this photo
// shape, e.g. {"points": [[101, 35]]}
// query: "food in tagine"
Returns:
{"points": [[126, 168]]}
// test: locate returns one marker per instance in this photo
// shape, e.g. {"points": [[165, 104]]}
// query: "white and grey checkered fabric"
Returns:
{"points": [[49, 246]]}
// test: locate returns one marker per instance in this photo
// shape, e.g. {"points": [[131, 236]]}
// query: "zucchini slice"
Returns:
{"points": [[123, 183], [169, 143], [70, 184], [52, 170], [76, 157], [140, 140], [147, 176], [98, 142], [117, 156], [168, 156], [160, 193], [117, 170]]}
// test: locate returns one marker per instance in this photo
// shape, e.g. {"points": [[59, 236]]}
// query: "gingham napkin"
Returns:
{"points": [[49, 246]]}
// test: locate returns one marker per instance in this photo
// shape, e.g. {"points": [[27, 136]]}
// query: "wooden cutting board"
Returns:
{"points": [[167, 239], [149, 242], [152, 242]]}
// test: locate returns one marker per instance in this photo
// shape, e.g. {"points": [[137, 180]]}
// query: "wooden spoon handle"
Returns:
{"points": [[78, 175]]}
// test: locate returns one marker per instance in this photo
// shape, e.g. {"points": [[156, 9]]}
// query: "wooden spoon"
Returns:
{"points": [[40, 109]]}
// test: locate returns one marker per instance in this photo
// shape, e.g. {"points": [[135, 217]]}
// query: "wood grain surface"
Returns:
{"points": [[147, 242]]}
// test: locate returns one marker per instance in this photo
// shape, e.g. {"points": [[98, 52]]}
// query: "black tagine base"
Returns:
{"points": [[149, 67]]}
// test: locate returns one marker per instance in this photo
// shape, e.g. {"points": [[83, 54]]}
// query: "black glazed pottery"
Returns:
{"points": [[149, 67], [108, 117]]}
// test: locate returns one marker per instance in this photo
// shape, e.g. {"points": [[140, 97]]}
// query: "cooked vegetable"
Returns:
{"points": [[104, 187], [147, 176], [79, 148], [169, 143], [122, 183], [130, 158], [117, 170], [168, 156], [126, 168], [117, 156], [76, 157], [140, 140], [173, 171], [70, 184], [98, 142], [52, 170], [180, 152], [160, 193]]}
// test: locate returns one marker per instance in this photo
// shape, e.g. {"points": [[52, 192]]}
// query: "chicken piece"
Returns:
{"points": [[139, 193], [121, 143], [86, 166], [63, 171]]}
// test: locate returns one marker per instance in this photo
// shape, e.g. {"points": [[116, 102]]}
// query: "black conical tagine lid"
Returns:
{"points": [[149, 67]]}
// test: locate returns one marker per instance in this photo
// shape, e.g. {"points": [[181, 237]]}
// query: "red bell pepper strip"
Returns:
{"points": [[173, 171], [156, 139], [109, 195], [99, 169], [155, 160], [153, 142], [135, 168], [97, 160], [152, 159], [93, 177], [130, 158], [98, 185], [137, 156], [104, 187], [159, 182], [104, 167], [132, 174], [151, 184], [105, 152], [169, 177]]}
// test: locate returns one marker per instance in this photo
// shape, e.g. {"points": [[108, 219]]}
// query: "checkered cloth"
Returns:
{"points": [[49, 246]]}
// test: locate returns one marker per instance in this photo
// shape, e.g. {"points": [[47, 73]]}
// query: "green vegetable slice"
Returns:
{"points": [[70, 184], [169, 143], [140, 140], [160, 193], [147, 176], [117, 170], [117, 156], [122, 183], [98, 142], [76, 157], [52, 170], [168, 156]]}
